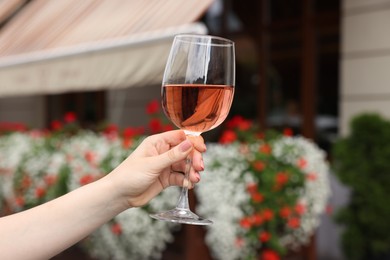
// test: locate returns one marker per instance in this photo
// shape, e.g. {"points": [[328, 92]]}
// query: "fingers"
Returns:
{"points": [[194, 176], [178, 179], [181, 150], [198, 143], [176, 154], [197, 161], [172, 138]]}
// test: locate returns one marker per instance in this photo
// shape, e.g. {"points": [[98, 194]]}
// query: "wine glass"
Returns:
{"points": [[197, 92]]}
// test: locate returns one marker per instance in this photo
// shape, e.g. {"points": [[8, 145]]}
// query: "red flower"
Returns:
{"points": [[300, 208], [264, 236], [127, 142], [239, 122], [311, 176], [251, 188], [10, 126], [285, 212], [70, 117], [293, 222], [268, 214], [269, 254], [281, 179], [50, 179], [26, 182], [86, 179], [257, 219], [167, 127], [20, 201], [129, 132], [244, 125], [257, 197], [228, 136], [302, 163], [234, 122], [39, 192], [111, 129], [90, 156], [265, 148], [116, 229], [246, 223], [259, 166], [288, 132], [155, 125], [56, 125], [152, 107]]}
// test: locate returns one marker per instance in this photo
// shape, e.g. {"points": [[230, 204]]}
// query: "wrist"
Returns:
{"points": [[117, 200]]}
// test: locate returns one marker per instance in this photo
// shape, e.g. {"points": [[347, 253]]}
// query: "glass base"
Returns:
{"points": [[183, 216]]}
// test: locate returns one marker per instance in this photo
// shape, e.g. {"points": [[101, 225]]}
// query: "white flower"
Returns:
{"points": [[222, 193], [93, 155]]}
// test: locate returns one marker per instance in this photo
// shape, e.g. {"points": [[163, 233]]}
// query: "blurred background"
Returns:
{"points": [[310, 65]]}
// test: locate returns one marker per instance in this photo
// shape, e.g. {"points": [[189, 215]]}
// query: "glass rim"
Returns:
{"points": [[222, 41]]}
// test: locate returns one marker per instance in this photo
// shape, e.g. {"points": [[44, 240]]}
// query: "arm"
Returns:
{"points": [[46, 230]]}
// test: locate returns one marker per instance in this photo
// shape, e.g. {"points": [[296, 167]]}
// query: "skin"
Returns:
{"points": [[46, 230]]}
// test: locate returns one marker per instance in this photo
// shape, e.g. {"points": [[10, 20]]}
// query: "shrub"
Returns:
{"points": [[361, 161]]}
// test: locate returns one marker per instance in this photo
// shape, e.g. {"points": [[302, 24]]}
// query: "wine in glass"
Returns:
{"points": [[197, 93]]}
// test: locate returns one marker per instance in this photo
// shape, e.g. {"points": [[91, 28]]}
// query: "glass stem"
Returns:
{"points": [[183, 199]]}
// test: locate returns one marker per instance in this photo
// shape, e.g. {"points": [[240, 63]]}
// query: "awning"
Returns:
{"points": [[71, 45]]}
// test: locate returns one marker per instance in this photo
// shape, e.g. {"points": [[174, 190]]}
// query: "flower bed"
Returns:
{"points": [[264, 191], [38, 166]]}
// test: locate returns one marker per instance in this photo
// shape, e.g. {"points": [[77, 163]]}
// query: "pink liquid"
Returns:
{"points": [[197, 108]]}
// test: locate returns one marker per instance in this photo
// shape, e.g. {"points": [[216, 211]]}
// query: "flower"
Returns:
{"points": [[257, 197], [70, 117], [239, 122], [293, 222], [288, 132], [155, 125], [111, 129], [264, 191], [116, 229], [39, 192], [259, 166], [265, 148], [285, 212], [228, 137], [153, 107], [40, 167], [269, 255], [264, 187], [6, 127], [84, 180], [264, 236], [131, 132], [56, 125]]}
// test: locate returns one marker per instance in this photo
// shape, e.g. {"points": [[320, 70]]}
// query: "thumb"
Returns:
{"points": [[176, 154]]}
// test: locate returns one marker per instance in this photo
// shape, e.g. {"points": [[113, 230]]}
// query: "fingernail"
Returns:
{"points": [[187, 184], [197, 176], [202, 164], [185, 146]]}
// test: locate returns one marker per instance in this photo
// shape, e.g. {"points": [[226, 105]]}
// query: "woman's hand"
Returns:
{"points": [[157, 163]]}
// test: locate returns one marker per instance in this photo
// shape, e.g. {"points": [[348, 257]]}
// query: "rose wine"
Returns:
{"points": [[195, 107]]}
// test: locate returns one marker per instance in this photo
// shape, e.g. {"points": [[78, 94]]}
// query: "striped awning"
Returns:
{"points": [[55, 46]]}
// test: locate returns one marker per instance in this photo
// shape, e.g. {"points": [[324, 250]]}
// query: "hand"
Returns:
{"points": [[157, 163]]}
